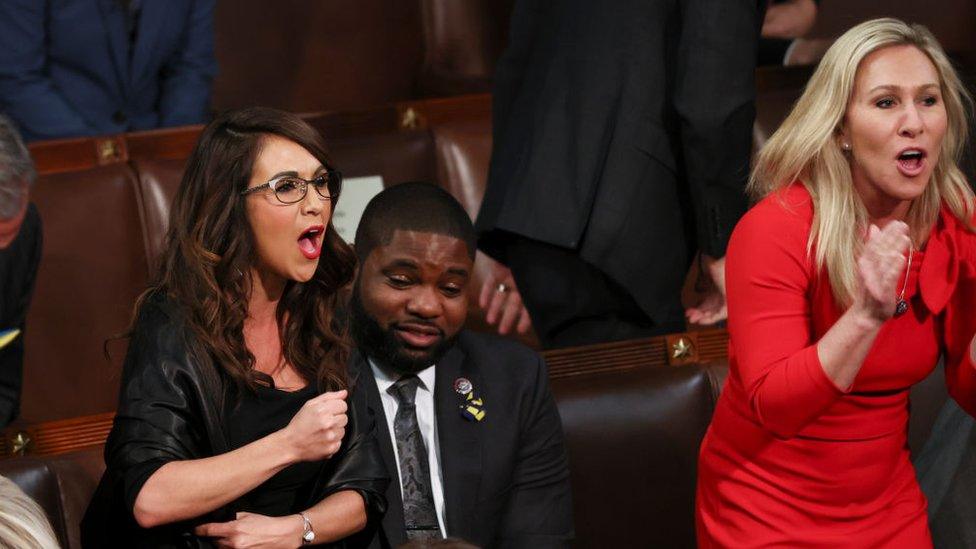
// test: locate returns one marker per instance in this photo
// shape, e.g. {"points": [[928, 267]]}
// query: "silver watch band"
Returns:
{"points": [[308, 536]]}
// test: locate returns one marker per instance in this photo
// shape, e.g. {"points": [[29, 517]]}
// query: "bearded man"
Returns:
{"points": [[469, 428]]}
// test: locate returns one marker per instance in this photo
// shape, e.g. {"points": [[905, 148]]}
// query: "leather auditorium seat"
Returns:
{"points": [[309, 56], [158, 181], [463, 149], [396, 156], [348, 55], [92, 268], [949, 20], [633, 442], [462, 43], [62, 485]]}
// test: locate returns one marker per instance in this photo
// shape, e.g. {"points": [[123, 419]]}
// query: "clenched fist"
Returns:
{"points": [[317, 429], [880, 269]]}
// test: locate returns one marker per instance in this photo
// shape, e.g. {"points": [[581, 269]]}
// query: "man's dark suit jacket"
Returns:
{"points": [[623, 131], [506, 478], [18, 268], [67, 67]]}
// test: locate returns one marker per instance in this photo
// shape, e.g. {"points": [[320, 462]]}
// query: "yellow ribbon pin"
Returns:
{"points": [[7, 336], [473, 408], [476, 413]]}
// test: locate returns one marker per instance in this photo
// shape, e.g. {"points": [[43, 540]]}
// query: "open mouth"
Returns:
{"points": [[310, 241], [911, 162], [418, 335]]}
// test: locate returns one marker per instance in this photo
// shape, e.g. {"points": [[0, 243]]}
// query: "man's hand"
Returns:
{"points": [[251, 530], [712, 308], [501, 300], [791, 19]]}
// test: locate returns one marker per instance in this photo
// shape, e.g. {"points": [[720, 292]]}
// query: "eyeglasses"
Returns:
{"points": [[289, 189]]}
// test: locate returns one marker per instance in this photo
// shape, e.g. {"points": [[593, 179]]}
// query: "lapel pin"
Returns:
{"points": [[472, 409], [472, 413], [6, 336], [463, 386]]}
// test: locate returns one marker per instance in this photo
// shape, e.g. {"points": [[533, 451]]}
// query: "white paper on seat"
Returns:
{"points": [[356, 193]]}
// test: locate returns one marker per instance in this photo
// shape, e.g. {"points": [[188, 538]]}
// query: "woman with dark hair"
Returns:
{"points": [[235, 424]]}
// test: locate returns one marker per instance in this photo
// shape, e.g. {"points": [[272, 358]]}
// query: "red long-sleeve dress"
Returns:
{"points": [[790, 459]]}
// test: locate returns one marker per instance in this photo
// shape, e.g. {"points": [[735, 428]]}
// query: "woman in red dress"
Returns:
{"points": [[846, 282]]}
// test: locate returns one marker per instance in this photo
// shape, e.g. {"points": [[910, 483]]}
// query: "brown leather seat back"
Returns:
{"points": [[158, 181], [93, 266], [397, 156], [463, 41], [62, 485], [777, 89], [950, 22], [633, 439], [307, 56], [463, 152]]}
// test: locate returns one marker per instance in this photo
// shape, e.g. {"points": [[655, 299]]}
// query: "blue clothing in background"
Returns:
{"points": [[72, 67]]}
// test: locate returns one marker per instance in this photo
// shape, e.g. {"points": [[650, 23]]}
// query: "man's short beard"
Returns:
{"points": [[384, 346]]}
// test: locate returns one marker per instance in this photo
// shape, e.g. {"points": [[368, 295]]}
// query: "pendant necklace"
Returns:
{"points": [[902, 306]]}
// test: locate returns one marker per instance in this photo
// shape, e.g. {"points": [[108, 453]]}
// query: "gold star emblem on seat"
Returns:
{"points": [[681, 348], [19, 443]]}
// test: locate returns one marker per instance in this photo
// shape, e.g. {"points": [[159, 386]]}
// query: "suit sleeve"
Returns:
{"points": [[714, 97], [525, 18], [768, 277], [26, 93], [540, 511], [12, 356], [187, 76]]}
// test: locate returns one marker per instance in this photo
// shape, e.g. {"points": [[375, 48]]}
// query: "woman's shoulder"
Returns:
{"points": [[157, 311], [162, 331], [792, 204], [783, 214]]}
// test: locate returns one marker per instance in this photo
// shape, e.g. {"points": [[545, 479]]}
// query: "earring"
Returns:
{"points": [[846, 146]]}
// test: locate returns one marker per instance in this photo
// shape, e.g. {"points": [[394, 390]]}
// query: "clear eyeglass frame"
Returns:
{"points": [[290, 189]]}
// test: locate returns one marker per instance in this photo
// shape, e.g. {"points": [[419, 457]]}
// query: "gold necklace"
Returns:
{"points": [[902, 306]]}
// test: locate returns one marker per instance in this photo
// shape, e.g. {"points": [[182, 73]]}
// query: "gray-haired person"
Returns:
{"points": [[20, 252]]}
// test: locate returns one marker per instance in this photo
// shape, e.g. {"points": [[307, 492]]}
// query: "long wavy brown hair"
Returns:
{"points": [[204, 266]]}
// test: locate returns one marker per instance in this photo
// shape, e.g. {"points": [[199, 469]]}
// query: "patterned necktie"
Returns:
{"points": [[419, 515]]}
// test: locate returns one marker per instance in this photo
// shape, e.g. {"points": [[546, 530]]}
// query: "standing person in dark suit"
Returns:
{"points": [[88, 67], [621, 145], [467, 426], [20, 253]]}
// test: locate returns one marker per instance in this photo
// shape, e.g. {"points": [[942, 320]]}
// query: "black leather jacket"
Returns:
{"points": [[169, 410]]}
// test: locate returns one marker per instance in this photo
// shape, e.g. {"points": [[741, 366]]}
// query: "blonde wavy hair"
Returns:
{"points": [[805, 148], [22, 522]]}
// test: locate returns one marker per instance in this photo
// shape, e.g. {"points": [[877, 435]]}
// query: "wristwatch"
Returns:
{"points": [[308, 536]]}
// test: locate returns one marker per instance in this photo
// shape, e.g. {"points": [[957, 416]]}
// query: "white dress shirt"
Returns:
{"points": [[424, 403]]}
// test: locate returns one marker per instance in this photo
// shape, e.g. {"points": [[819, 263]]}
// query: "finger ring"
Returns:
{"points": [[501, 288]]}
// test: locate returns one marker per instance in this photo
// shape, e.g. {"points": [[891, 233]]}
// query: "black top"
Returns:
{"points": [[18, 269], [256, 415]]}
